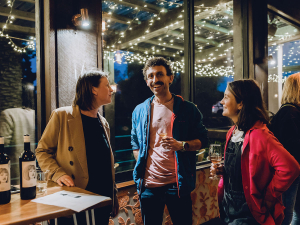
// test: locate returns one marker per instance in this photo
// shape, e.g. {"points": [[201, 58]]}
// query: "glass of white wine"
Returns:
{"points": [[162, 130], [215, 156]]}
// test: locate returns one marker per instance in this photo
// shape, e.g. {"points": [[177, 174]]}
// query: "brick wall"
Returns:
{"points": [[10, 76]]}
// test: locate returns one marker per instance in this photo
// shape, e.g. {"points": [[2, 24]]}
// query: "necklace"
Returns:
{"points": [[165, 102]]}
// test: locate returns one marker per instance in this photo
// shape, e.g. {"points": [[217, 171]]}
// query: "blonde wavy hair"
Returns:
{"points": [[291, 90]]}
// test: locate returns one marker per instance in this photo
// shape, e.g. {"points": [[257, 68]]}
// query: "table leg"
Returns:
{"points": [[93, 216], [74, 219], [87, 217], [55, 221]]}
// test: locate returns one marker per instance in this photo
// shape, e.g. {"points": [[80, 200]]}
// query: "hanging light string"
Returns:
{"points": [[10, 19], [201, 70]]}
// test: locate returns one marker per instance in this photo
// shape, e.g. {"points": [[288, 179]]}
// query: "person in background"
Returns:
{"points": [[257, 168], [14, 123], [286, 127], [166, 132], [75, 145]]}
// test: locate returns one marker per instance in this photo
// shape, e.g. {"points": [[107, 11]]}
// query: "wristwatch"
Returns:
{"points": [[185, 146]]}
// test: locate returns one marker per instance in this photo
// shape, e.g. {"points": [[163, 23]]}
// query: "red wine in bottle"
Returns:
{"points": [[27, 166], [4, 175]]}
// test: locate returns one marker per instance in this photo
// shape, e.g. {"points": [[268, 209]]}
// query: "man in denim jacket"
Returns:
{"points": [[166, 132]]}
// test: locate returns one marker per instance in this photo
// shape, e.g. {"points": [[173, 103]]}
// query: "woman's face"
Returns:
{"points": [[3, 177], [32, 174], [230, 106], [103, 92]]}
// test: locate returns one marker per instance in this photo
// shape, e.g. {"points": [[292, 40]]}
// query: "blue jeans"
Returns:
{"points": [[153, 201], [291, 201]]}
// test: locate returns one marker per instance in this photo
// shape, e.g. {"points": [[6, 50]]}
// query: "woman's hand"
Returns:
{"points": [[65, 180], [216, 169]]}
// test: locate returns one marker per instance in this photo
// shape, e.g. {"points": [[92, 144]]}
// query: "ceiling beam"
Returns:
{"points": [[143, 6], [212, 27], [28, 30], [117, 18], [284, 69], [164, 45], [293, 31], [205, 54], [30, 1], [197, 38], [159, 27], [4, 11]]}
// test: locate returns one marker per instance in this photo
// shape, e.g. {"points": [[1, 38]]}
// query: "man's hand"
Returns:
{"points": [[170, 143], [65, 180]]}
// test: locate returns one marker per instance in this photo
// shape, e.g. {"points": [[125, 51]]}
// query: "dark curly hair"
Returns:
{"points": [[157, 61], [248, 92]]}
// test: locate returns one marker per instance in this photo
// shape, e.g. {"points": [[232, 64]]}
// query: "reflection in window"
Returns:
{"points": [[213, 64], [131, 35], [284, 57], [17, 79]]}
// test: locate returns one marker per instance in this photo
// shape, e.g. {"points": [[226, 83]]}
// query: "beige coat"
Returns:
{"points": [[62, 146]]}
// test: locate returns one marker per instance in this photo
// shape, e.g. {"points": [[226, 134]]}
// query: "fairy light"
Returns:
{"points": [[10, 19]]}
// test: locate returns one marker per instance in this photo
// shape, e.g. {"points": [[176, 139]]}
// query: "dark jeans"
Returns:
{"points": [[153, 201], [291, 201], [101, 217]]}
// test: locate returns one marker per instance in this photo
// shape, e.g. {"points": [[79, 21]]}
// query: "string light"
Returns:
{"points": [[10, 19], [178, 66]]}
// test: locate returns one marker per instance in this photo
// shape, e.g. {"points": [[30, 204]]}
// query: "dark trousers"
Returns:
{"points": [[101, 217], [153, 201]]}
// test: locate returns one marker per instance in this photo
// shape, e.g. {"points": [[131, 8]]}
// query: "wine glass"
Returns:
{"points": [[162, 129], [162, 132], [215, 156]]}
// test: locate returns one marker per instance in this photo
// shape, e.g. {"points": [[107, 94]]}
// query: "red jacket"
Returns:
{"points": [[268, 170]]}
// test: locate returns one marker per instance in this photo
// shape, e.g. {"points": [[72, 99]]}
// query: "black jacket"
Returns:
{"points": [[286, 127]]}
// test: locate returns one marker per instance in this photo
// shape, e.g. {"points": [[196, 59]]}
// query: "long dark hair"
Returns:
{"points": [[84, 97], [248, 92]]}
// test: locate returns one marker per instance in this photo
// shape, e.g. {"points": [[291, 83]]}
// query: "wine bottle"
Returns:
{"points": [[27, 166], [4, 175]]}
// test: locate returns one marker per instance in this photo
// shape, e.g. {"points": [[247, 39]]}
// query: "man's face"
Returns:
{"points": [[158, 80]]}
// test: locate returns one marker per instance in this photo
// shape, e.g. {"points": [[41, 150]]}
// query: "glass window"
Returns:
{"points": [[131, 34], [284, 57], [17, 78], [213, 63]]}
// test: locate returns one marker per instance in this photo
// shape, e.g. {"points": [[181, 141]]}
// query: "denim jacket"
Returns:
{"points": [[186, 125]]}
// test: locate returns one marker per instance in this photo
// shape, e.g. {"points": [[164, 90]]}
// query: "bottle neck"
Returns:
{"points": [[27, 146], [1, 148]]}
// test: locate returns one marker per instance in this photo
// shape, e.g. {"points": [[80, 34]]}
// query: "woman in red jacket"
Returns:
{"points": [[257, 168]]}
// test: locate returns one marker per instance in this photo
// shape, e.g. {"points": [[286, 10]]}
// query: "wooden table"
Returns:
{"points": [[25, 212]]}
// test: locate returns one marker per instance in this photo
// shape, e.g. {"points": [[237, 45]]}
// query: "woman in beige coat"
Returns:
{"points": [[75, 145]]}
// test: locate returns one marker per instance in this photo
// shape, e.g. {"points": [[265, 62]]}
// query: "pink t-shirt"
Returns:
{"points": [[160, 168]]}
